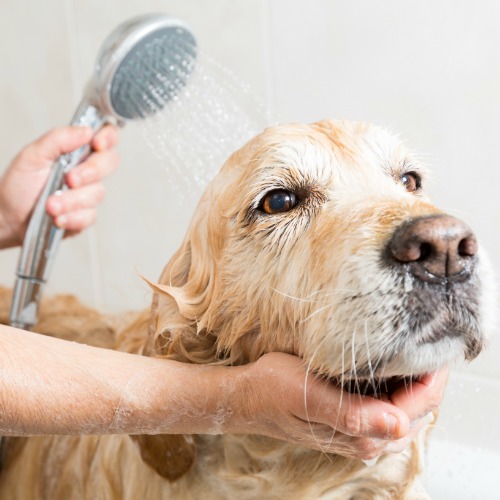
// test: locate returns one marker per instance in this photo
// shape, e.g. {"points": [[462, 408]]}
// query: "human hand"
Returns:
{"points": [[73, 209], [279, 399]]}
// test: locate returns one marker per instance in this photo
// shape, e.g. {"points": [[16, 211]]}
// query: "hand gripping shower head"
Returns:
{"points": [[142, 65]]}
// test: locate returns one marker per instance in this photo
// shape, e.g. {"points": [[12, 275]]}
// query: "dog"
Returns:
{"points": [[316, 240]]}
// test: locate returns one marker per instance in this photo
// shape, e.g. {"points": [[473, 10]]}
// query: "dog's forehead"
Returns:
{"points": [[328, 157], [325, 150]]}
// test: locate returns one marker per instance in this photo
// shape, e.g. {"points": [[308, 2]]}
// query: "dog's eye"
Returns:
{"points": [[411, 181], [278, 201]]}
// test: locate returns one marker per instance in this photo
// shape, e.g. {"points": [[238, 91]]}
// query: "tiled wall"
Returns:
{"points": [[427, 69]]}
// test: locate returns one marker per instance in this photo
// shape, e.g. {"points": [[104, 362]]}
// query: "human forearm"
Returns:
{"points": [[49, 386]]}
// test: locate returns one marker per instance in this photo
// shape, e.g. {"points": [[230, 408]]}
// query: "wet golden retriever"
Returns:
{"points": [[316, 240]]}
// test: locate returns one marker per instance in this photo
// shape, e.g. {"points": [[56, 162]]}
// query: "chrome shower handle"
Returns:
{"points": [[42, 236]]}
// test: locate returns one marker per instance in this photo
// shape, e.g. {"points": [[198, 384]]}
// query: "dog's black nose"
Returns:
{"points": [[435, 247]]}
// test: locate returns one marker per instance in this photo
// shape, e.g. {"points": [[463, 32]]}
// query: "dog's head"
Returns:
{"points": [[319, 240]]}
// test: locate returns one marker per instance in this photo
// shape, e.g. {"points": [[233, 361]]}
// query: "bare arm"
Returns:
{"points": [[50, 386]]}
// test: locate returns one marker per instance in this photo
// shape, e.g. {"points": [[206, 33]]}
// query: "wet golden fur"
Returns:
{"points": [[244, 283]]}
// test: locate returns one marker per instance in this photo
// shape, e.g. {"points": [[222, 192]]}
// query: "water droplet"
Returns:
{"points": [[202, 123]]}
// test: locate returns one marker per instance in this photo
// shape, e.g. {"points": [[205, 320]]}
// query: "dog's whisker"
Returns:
{"points": [[298, 299], [408, 384], [342, 380], [315, 313], [353, 362], [352, 383], [326, 295], [372, 377], [308, 372]]}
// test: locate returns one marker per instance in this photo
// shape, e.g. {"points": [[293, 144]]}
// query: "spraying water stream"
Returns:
{"points": [[195, 127]]}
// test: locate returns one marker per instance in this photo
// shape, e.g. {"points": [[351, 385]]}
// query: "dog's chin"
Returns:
{"points": [[406, 367]]}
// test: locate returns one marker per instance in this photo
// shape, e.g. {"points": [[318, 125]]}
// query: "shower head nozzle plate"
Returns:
{"points": [[144, 64]]}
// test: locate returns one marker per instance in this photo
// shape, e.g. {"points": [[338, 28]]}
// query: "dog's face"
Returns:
{"points": [[318, 240]]}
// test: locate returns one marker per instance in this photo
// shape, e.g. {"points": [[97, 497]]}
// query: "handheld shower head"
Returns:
{"points": [[142, 65]]}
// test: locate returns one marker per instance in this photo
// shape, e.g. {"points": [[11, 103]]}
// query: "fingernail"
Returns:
{"points": [[100, 144], [61, 221], [391, 424]]}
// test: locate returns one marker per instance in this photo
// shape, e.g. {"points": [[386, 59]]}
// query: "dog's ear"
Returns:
{"points": [[184, 294], [171, 456], [181, 297]]}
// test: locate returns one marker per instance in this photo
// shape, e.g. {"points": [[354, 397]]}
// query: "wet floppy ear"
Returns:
{"points": [[181, 298], [167, 306], [171, 456]]}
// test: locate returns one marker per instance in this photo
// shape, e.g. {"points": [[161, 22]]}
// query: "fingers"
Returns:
{"points": [[367, 438], [400, 444], [106, 138], [74, 210], [94, 169], [330, 440], [367, 441], [76, 222], [355, 415], [282, 400], [57, 142], [312, 399], [423, 396], [62, 140], [366, 428]]}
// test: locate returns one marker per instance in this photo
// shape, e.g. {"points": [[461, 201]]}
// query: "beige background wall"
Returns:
{"points": [[427, 69]]}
